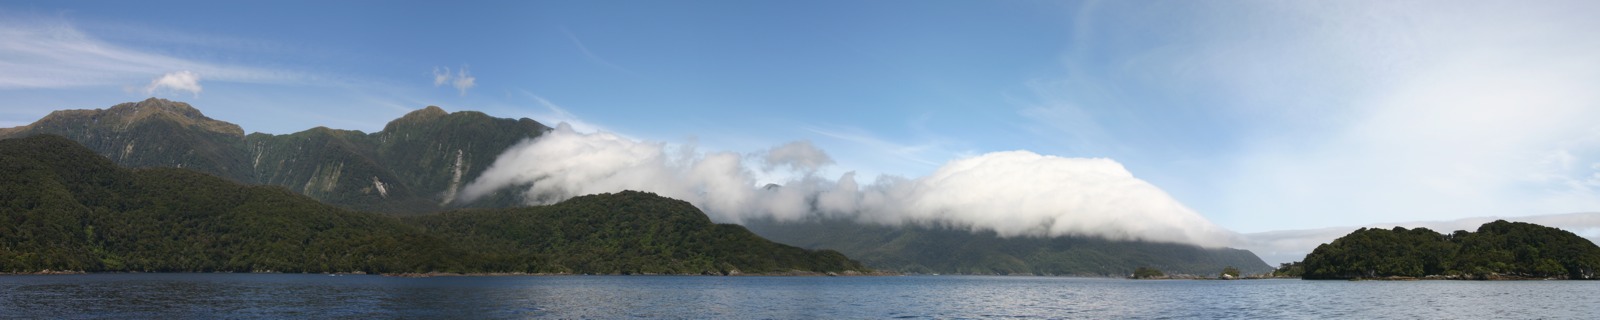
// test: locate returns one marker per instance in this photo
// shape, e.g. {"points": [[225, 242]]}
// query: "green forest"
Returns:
{"points": [[1498, 250], [63, 207], [414, 165]]}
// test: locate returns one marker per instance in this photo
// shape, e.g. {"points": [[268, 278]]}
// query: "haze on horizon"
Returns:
{"points": [[1253, 116]]}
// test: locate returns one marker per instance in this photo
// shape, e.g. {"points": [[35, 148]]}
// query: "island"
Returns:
{"points": [[1498, 250]]}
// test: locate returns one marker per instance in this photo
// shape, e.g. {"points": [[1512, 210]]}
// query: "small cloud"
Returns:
{"points": [[461, 80], [175, 82], [464, 81], [800, 156], [441, 76]]}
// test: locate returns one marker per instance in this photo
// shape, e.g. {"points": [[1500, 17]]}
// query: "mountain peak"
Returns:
{"points": [[157, 105], [154, 109], [124, 115], [426, 113]]}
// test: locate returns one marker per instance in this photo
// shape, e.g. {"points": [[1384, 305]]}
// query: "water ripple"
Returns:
{"points": [[928, 297]]}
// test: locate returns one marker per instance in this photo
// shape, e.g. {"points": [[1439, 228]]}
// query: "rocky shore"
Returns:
{"points": [[733, 273], [44, 272]]}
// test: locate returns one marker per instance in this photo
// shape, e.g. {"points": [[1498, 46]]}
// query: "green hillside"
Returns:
{"points": [[66, 208], [418, 163], [924, 249], [1499, 249], [415, 164], [627, 232]]}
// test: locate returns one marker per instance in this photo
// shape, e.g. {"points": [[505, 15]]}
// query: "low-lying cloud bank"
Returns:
{"points": [[1276, 247], [1013, 193]]}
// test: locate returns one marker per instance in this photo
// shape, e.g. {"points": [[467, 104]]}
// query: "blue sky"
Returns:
{"points": [[1260, 116]]}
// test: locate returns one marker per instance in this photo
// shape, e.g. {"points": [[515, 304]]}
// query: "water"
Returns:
{"points": [[323, 296]]}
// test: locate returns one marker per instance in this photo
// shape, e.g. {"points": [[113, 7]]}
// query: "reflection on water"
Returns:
{"points": [[322, 296]]}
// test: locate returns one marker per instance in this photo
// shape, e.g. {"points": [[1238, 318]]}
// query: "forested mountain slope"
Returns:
{"points": [[62, 207], [416, 164]]}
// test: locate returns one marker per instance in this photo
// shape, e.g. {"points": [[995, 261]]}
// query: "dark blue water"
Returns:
{"points": [[322, 296]]}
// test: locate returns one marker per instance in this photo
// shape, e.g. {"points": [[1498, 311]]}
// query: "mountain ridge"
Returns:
{"points": [[69, 208], [418, 162], [415, 164]]}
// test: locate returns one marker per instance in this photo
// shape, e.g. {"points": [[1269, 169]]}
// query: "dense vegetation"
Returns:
{"points": [[922, 249], [1498, 249], [1230, 271], [62, 207], [628, 232], [1147, 273], [415, 164], [1290, 270], [418, 162]]}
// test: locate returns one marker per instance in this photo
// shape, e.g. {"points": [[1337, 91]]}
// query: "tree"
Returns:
{"points": [[1289, 269], [1230, 271], [1498, 249], [1147, 273]]}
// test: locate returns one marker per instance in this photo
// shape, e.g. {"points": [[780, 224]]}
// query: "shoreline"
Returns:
{"points": [[850, 273]]}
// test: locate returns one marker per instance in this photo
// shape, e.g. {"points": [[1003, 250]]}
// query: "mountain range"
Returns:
{"points": [[418, 163], [66, 208]]}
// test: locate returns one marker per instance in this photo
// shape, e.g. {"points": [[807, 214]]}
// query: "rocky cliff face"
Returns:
{"points": [[415, 164]]}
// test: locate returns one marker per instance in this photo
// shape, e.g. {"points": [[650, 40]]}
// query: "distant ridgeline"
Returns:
{"points": [[923, 249], [1498, 250], [62, 207], [416, 164]]}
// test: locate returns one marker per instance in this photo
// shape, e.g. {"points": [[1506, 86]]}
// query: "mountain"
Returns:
{"points": [[1498, 250], [416, 164], [942, 249], [152, 133], [67, 208]]}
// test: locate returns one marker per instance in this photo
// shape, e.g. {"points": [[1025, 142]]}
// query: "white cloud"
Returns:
{"points": [[43, 53], [441, 76], [464, 81], [1357, 111], [1016, 193], [798, 156], [181, 81], [461, 80]]}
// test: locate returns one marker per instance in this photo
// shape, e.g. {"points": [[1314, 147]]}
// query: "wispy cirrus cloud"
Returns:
{"points": [[44, 53], [554, 113], [916, 153], [1335, 113], [591, 55]]}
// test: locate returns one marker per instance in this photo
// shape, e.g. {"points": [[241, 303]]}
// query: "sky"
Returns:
{"points": [[1259, 116]]}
